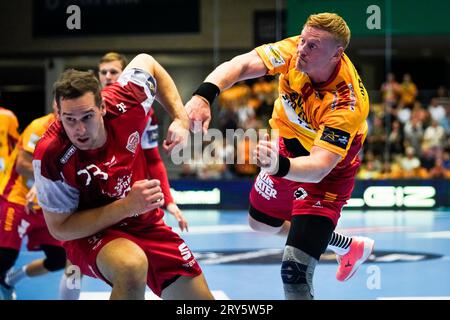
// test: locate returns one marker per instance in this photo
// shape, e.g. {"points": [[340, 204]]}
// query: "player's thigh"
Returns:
{"points": [[121, 258]]}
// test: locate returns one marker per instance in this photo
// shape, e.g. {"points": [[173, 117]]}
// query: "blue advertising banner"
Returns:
{"points": [[368, 194]]}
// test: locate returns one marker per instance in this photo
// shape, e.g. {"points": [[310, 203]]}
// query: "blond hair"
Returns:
{"points": [[333, 23], [114, 56]]}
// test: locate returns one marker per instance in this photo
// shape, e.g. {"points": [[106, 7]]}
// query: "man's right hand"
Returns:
{"points": [[145, 195], [199, 113]]}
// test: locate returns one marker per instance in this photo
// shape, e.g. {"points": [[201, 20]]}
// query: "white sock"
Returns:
{"points": [[339, 244], [14, 276], [68, 289]]}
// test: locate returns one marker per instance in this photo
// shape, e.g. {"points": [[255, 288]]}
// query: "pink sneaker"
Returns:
{"points": [[360, 250]]}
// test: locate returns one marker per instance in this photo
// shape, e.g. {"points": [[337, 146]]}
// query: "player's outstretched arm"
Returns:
{"points": [[242, 67]]}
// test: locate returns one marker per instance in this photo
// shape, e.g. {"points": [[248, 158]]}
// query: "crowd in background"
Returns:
{"points": [[408, 138]]}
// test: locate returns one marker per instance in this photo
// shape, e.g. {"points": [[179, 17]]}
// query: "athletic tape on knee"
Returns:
{"points": [[297, 272]]}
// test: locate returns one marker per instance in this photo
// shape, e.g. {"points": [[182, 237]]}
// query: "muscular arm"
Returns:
{"points": [[313, 168], [145, 195], [167, 93], [245, 66], [80, 224]]}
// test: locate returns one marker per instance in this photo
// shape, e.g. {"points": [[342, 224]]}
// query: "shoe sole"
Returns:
{"points": [[367, 252]]}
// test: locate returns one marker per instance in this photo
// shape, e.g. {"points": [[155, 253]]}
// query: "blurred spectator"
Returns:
{"points": [[369, 171], [403, 114], [390, 91], [439, 171], [244, 149], [235, 97], [395, 139], [376, 139], [433, 136], [213, 165], [427, 158], [446, 160], [442, 96], [414, 133], [408, 91], [227, 120], [436, 110], [410, 165]]}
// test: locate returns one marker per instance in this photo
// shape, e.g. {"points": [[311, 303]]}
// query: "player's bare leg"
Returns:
{"points": [[125, 265]]}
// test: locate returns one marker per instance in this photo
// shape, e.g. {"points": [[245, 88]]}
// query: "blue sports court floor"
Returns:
{"points": [[411, 259]]}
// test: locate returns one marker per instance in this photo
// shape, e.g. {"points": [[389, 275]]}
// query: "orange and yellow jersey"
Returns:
{"points": [[13, 186], [329, 114], [8, 135]]}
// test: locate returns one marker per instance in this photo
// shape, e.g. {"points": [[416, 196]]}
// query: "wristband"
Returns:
{"points": [[207, 90], [284, 164]]}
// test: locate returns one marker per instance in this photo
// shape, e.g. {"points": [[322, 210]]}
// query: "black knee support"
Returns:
{"points": [[55, 258], [311, 234]]}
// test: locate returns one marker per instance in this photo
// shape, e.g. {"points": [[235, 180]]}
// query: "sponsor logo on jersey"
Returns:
{"points": [[185, 252], [68, 154], [336, 137], [300, 194], [95, 240], [121, 107], [274, 56], [318, 204], [264, 186], [111, 162], [133, 142]]}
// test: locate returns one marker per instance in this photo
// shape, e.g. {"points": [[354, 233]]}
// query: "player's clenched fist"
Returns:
{"points": [[266, 155], [145, 195]]}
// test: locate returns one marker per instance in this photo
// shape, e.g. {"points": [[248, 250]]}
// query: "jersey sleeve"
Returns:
{"points": [[140, 85], [30, 137], [157, 170], [54, 194], [339, 124], [277, 56]]}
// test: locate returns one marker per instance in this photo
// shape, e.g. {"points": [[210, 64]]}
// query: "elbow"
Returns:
{"points": [[144, 56], [320, 174], [59, 233]]}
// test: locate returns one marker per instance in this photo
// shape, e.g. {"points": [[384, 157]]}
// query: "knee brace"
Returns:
{"points": [[297, 271], [55, 258]]}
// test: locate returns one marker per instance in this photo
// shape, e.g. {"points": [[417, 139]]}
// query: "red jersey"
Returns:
{"points": [[69, 179]]}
